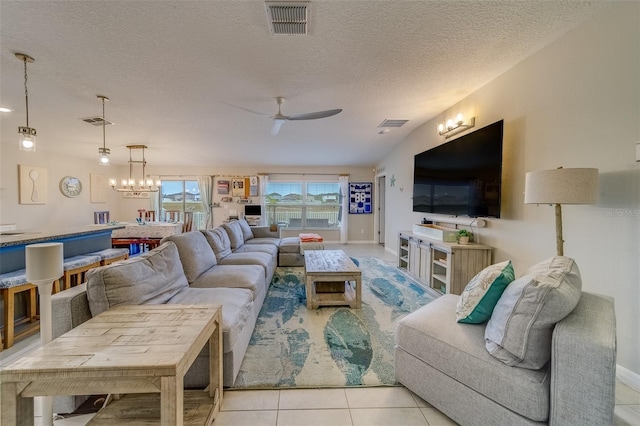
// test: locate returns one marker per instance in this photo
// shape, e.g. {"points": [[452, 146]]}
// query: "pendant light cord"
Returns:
{"points": [[104, 143], [26, 92]]}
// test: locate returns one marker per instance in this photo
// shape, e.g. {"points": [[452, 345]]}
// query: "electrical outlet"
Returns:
{"points": [[361, 230]]}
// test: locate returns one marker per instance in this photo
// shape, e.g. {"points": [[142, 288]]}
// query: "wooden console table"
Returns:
{"points": [[332, 266], [142, 349]]}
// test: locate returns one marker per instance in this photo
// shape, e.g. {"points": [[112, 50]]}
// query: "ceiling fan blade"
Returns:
{"points": [[246, 109], [315, 115], [277, 123]]}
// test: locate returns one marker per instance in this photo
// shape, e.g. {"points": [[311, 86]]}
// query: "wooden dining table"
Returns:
{"points": [[157, 230]]}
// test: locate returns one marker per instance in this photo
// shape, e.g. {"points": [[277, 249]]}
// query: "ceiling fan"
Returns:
{"points": [[279, 118]]}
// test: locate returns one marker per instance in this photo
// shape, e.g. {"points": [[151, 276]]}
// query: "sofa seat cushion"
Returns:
{"points": [[432, 335], [251, 258], [261, 248], [196, 254], [290, 245], [249, 277], [264, 240], [219, 241], [237, 305], [153, 277]]}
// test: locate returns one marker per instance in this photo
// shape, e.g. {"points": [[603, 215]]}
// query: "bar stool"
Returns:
{"points": [[110, 255], [12, 283], [75, 267]]}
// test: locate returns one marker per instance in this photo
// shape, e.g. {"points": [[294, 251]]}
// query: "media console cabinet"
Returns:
{"points": [[446, 267]]}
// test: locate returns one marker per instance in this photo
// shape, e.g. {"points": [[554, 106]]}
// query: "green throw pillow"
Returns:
{"points": [[483, 292]]}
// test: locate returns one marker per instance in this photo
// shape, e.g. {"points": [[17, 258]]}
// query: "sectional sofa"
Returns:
{"points": [[231, 265], [553, 361]]}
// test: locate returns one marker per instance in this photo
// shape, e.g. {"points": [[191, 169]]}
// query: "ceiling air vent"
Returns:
{"points": [[96, 121], [287, 18], [392, 123]]}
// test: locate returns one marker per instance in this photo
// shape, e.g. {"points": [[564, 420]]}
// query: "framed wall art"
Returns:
{"points": [[238, 189], [98, 188], [32, 184], [360, 200], [223, 187]]}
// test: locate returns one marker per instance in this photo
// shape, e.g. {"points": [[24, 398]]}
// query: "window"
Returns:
{"points": [[303, 204], [179, 196]]}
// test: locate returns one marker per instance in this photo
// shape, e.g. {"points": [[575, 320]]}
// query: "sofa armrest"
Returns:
{"points": [[265, 232], [70, 308], [583, 364]]}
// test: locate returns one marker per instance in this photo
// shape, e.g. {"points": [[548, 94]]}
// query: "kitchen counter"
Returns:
{"points": [[76, 241]]}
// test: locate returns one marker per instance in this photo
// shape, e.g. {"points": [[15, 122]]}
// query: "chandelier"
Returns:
{"points": [[130, 185]]}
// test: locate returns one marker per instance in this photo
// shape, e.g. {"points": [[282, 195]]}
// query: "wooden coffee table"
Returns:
{"points": [[138, 349], [332, 266]]}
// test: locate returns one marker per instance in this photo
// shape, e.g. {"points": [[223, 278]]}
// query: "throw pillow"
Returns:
{"points": [[520, 329], [480, 296], [153, 277], [235, 234], [247, 234], [219, 242]]}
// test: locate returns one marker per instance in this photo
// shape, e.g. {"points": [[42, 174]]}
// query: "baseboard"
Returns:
{"points": [[628, 377]]}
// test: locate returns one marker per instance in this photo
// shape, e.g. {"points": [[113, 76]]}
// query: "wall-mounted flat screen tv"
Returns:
{"points": [[252, 210], [462, 177]]}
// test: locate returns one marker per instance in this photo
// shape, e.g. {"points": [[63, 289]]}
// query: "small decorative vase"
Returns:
{"points": [[463, 240]]}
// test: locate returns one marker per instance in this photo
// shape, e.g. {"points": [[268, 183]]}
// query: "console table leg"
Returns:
{"points": [[171, 401], [14, 409]]}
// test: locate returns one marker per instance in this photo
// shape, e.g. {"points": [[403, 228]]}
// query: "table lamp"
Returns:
{"points": [[44, 265], [561, 186]]}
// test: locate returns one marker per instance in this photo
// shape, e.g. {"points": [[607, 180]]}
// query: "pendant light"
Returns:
{"points": [[130, 185], [27, 138], [104, 151]]}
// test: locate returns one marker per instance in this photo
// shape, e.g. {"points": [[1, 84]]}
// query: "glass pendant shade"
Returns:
{"points": [[27, 139]]}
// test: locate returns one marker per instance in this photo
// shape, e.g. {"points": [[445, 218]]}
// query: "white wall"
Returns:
{"points": [[576, 103], [61, 212]]}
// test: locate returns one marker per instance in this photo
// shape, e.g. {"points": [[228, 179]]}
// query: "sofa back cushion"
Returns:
{"points": [[235, 234], [520, 329], [153, 277], [195, 253], [219, 241], [247, 233]]}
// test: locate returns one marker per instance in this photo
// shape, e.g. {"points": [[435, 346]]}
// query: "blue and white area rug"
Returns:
{"points": [[293, 347]]}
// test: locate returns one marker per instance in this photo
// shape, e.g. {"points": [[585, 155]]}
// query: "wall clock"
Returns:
{"points": [[70, 186]]}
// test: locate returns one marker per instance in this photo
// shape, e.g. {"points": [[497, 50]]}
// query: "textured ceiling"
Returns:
{"points": [[172, 68]]}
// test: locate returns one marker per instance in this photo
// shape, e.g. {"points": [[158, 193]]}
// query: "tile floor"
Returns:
{"points": [[342, 406]]}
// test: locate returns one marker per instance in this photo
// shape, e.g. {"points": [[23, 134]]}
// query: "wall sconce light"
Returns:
{"points": [[27, 138], [453, 127]]}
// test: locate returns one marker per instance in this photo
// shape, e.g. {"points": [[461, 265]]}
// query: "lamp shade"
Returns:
{"points": [[561, 186], [44, 262]]}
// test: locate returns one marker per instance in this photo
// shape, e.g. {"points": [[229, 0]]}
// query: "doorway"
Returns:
{"points": [[381, 185]]}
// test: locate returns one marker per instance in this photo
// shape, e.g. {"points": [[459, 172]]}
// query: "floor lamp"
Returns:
{"points": [[561, 186], [44, 266]]}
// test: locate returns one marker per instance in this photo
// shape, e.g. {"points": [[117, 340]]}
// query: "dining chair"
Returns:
{"points": [[188, 222], [149, 215], [100, 218], [172, 216]]}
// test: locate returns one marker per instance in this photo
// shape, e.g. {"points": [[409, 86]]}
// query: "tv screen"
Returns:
{"points": [[462, 177], [250, 210]]}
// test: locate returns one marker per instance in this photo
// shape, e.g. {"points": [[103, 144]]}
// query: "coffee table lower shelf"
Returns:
{"points": [[143, 409]]}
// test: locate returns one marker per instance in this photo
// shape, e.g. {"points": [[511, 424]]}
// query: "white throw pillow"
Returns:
{"points": [[480, 296], [521, 326]]}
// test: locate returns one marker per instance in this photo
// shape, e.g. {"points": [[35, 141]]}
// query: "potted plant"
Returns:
{"points": [[464, 236]]}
